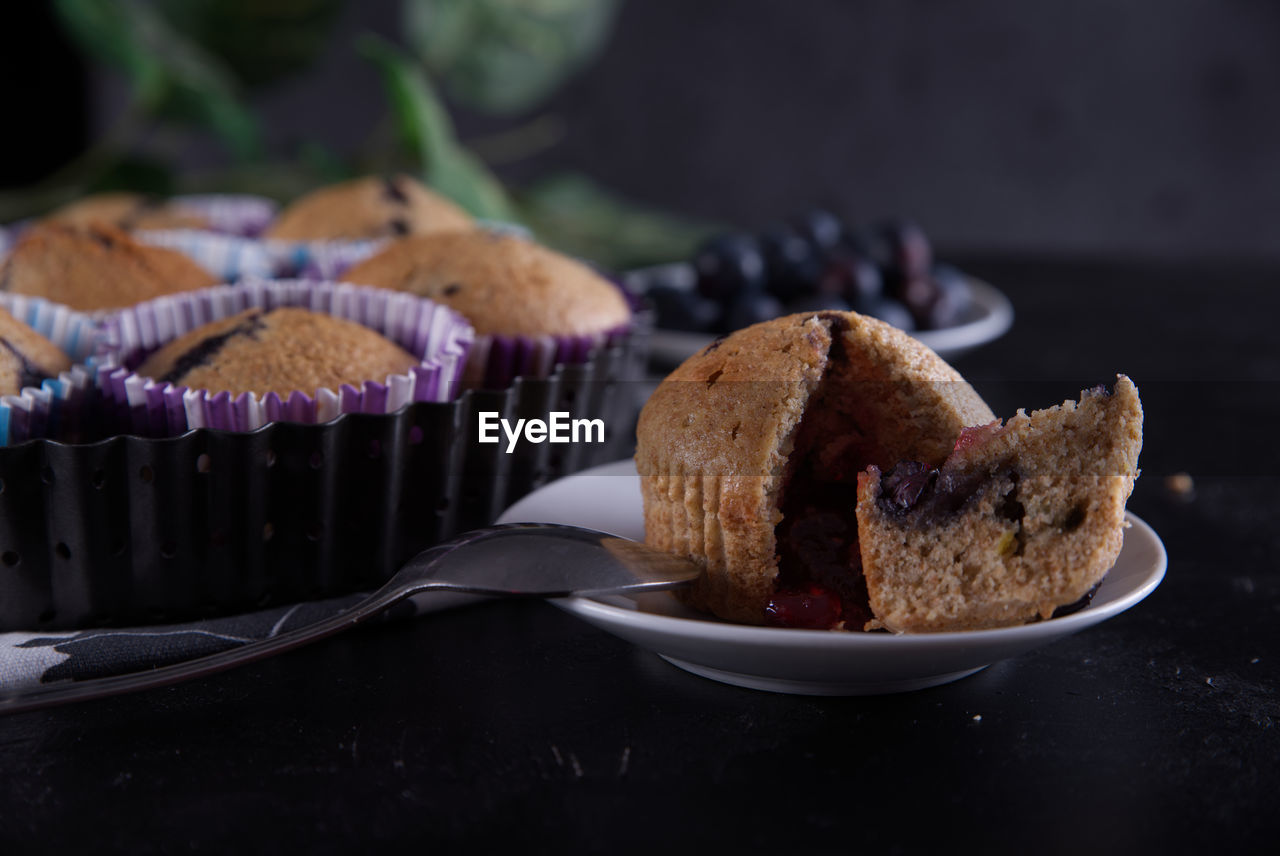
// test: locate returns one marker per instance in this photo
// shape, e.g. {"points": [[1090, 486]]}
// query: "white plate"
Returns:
{"points": [[990, 317], [813, 662]]}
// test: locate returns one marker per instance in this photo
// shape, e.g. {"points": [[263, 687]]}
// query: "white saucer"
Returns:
{"points": [[811, 662], [988, 319]]}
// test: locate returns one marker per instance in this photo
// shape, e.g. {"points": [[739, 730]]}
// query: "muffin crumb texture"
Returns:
{"points": [[368, 208], [279, 350], [96, 267], [26, 357]]}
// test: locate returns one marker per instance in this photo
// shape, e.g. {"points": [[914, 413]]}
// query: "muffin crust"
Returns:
{"points": [[96, 267], [278, 350], [503, 284], [370, 207]]}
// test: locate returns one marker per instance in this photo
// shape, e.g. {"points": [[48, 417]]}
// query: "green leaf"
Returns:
{"points": [[504, 56], [427, 131], [574, 214], [169, 74]]}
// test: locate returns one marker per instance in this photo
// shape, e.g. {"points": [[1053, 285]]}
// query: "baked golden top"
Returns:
{"points": [[503, 284], [278, 350], [370, 207], [96, 267], [127, 211]]}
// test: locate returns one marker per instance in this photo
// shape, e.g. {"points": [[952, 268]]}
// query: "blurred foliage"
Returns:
{"points": [[189, 63], [505, 56], [593, 223], [427, 131], [170, 76], [260, 41]]}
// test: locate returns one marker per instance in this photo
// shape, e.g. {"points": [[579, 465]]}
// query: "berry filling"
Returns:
{"points": [[820, 583]]}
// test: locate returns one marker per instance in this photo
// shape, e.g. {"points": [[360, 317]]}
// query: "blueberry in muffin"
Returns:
{"points": [[278, 350]]}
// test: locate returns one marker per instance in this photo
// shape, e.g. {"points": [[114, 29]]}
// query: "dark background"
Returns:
{"points": [[1142, 129]]}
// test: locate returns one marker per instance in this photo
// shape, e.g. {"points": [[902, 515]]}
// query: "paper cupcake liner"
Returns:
{"points": [[57, 408], [435, 334], [230, 213]]}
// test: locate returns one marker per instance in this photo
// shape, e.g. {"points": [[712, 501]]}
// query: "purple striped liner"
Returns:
{"points": [[57, 407], [229, 249], [494, 362], [439, 337], [231, 213]]}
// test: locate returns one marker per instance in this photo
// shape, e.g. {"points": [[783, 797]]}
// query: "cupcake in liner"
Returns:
{"points": [[438, 337], [57, 406], [552, 336], [134, 530], [228, 247]]}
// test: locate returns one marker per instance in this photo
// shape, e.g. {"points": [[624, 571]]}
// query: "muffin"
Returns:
{"points": [[365, 208], [128, 211], [95, 267], [505, 285], [26, 357], [749, 454], [1021, 521], [277, 350]]}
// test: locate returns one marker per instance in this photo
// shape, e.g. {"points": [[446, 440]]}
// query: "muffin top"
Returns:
{"points": [[504, 285], [370, 207], [26, 357], [127, 211], [96, 267], [278, 350]]}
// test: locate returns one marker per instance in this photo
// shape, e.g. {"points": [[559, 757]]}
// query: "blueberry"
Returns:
{"points": [[791, 261], [919, 294], [852, 276], [748, 309], [821, 228], [953, 301], [818, 303], [912, 256], [682, 309], [729, 264], [888, 310], [873, 245]]}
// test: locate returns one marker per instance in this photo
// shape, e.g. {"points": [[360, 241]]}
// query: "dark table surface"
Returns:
{"points": [[514, 723]]}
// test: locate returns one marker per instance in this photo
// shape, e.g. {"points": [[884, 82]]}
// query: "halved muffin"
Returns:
{"points": [[749, 455], [1022, 519], [504, 284]]}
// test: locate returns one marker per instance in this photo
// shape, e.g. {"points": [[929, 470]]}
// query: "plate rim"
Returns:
{"points": [[718, 630]]}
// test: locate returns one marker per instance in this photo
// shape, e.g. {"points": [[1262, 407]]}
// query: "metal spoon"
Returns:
{"points": [[512, 560]]}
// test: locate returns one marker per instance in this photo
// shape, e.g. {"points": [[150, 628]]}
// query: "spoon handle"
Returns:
{"points": [[57, 694]]}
